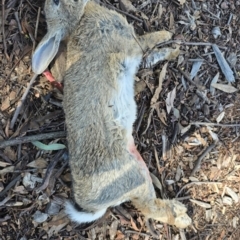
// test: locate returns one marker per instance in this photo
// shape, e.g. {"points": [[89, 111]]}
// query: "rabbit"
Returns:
{"points": [[103, 54]]}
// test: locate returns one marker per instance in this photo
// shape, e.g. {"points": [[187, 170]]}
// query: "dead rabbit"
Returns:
{"points": [[102, 56]]}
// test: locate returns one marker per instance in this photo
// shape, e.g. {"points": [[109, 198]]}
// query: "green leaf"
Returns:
{"points": [[50, 147]]}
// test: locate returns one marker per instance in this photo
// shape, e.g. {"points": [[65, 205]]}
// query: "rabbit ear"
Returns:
{"points": [[46, 51]]}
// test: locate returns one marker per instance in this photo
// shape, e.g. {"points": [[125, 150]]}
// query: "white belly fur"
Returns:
{"points": [[124, 105]]}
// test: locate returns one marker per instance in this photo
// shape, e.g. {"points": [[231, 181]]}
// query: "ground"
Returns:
{"points": [[188, 134]]}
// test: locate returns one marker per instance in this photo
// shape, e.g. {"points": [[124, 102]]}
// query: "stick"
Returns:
{"points": [[3, 30], [199, 160], [20, 103], [10, 185], [120, 11], [189, 43], [17, 62], [49, 171], [215, 124], [189, 79], [197, 183], [27, 139]]}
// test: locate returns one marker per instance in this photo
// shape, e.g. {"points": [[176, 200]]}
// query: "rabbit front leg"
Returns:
{"points": [[150, 40]]}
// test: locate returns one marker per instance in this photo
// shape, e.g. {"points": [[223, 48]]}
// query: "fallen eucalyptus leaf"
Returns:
{"points": [[227, 71], [50, 147], [232, 194], [38, 163], [232, 59], [215, 79], [227, 201], [220, 117], [170, 99], [224, 87], [7, 170], [195, 68]]}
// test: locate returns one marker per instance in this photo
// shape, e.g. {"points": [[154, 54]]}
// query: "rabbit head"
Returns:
{"points": [[62, 17]]}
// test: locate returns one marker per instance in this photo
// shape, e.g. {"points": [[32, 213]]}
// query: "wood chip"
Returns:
{"points": [[201, 204]]}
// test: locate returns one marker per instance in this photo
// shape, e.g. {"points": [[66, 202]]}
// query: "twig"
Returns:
{"points": [[215, 124], [36, 30], [10, 185], [151, 228], [139, 233], [3, 30], [189, 79], [49, 171], [120, 11], [20, 103], [27, 139], [193, 183], [37, 22], [189, 43], [141, 114], [13, 68], [18, 22], [199, 160]]}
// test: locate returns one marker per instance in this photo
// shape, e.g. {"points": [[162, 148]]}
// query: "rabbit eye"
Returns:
{"points": [[56, 2]]}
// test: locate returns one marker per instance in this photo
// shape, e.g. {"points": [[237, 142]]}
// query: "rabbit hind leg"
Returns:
{"points": [[166, 211]]}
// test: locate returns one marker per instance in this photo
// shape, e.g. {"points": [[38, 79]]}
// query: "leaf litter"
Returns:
{"points": [[199, 83]]}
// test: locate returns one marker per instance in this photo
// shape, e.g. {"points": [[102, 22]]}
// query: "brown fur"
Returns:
{"points": [[105, 166]]}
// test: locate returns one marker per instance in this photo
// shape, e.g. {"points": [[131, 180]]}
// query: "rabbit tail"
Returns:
{"points": [[81, 216]]}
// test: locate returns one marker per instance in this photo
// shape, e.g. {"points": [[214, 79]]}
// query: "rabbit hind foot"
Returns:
{"points": [[168, 211]]}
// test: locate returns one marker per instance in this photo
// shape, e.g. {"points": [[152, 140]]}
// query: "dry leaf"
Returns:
{"points": [[232, 194], [7, 170], [113, 229], [160, 82], [181, 1], [134, 226], [220, 117], [224, 87], [162, 115], [4, 164], [171, 21], [215, 79], [227, 71], [156, 182], [195, 68], [38, 163], [127, 6], [170, 99], [10, 153], [149, 120], [120, 236], [227, 201]]}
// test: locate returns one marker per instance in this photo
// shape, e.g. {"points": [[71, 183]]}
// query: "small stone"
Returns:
{"points": [[40, 217], [224, 5], [52, 208]]}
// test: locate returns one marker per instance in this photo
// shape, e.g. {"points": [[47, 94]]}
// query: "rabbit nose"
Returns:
{"points": [[56, 2]]}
